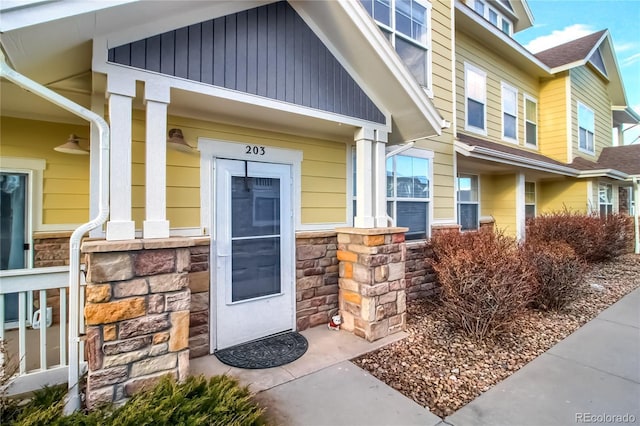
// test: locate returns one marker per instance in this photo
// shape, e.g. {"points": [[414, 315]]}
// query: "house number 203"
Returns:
{"points": [[254, 150]]}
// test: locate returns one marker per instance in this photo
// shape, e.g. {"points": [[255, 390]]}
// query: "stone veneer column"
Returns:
{"points": [[136, 314], [316, 278], [372, 294]]}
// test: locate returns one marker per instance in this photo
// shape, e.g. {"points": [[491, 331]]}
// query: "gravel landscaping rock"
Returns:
{"points": [[442, 369]]}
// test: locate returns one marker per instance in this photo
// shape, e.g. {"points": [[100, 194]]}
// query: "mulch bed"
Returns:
{"points": [[442, 369]]}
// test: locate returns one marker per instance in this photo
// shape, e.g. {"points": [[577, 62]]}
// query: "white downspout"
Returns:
{"points": [[73, 398]]}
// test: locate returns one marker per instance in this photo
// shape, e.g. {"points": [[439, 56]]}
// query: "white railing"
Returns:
{"points": [[28, 339]]}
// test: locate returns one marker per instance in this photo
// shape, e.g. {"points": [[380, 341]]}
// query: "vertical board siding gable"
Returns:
{"points": [[267, 51]]}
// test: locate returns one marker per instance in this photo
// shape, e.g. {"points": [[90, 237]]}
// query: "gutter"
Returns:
{"points": [[73, 398], [501, 157]]}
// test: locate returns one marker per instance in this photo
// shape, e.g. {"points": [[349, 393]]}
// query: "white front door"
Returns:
{"points": [[254, 251]]}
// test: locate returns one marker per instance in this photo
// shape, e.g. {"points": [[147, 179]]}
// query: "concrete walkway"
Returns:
{"points": [[592, 376]]}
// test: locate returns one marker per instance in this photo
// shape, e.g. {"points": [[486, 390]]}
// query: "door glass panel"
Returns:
{"points": [[255, 206], [13, 191], [255, 237], [255, 268]]}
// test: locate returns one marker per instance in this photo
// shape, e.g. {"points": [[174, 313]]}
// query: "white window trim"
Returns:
{"points": [[458, 202], [501, 17], [611, 201], [211, 149], [506, 88], [586, 151], [469, 67], [524, 107], [34, 167], [411, 152], [428, 155], [535, 196], [427, 46]]}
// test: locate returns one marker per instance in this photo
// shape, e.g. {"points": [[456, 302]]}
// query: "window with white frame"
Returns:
{"points": [[468, 202], [493, 15], [406, 23], [509, 113], [475, 87], [529, 200], [408, 190], [605, 199], [531, 121], [586, 128]]}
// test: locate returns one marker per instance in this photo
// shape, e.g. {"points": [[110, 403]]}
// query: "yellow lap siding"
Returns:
{"points": [[498, 200], [552, 116], [65, 199], [323, 169], [558, 195]]}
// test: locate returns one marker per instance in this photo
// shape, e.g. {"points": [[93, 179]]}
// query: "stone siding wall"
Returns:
{"points": [[316, 278], [372, 283], [419, 275], [50, 249], [200, 296], [136, 315]]}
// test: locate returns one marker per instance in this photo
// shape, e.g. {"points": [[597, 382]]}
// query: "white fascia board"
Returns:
{"points": [[39, 12], [377, 45], [229, 94], [610, 173], [461, 7], [381, 45], [482, 153]]}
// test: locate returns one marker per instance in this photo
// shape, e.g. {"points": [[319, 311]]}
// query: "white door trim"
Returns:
{"points": [[210, 150]]}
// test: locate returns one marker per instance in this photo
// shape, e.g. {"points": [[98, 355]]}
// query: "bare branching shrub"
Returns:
{"points": [[8, 367], [592, 238], [486, 280], [559, 272]]}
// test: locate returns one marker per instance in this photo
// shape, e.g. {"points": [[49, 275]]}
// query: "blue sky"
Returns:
{"points": [[559, 21]]}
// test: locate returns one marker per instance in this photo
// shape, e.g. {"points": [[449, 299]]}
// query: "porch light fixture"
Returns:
{"points": [[176, 141], [72, 146]]}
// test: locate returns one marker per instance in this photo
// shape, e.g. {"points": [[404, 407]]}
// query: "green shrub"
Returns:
{"points": [[559, 272], [485, 278], [592, 238], [198, 401]]}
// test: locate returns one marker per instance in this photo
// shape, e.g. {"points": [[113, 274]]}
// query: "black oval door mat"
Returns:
{"points": [[272, 351]]}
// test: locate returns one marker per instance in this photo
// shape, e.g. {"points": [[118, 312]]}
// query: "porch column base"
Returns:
{"points": [[372, 297], [121, 230], [155, 229]]}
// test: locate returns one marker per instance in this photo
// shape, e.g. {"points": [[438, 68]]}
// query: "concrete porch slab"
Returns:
{"points": [[342, 394], [326, 348]]}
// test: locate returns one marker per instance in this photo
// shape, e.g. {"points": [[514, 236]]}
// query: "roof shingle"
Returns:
{"points": [[570, 52]]}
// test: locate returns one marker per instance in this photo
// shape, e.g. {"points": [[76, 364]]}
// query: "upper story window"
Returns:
{"points": [[406, 23], [586, 128], [531, 121], [509, 113], [493, 15], [475, 88], [468, 202]]}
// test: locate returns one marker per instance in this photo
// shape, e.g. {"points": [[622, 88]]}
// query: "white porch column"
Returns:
{"points": [[364, 178], [156, 96], [380, 179], [520, 207], [97, 106], [120, 90]]}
